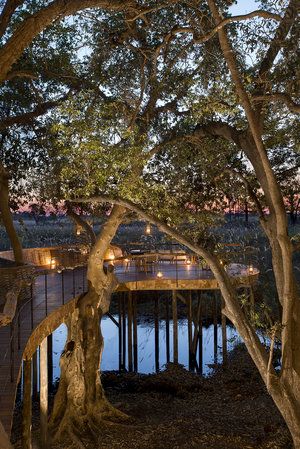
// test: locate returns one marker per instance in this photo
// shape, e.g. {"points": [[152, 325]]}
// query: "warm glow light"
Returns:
{"points": [[251, 269], [148, 229], [188, 261], [78, 231], [112, 257], [126, 260], [159, 274], [52, 263]]}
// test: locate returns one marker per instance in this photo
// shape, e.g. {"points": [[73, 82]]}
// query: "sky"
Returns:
{"points": [[243, 7]]}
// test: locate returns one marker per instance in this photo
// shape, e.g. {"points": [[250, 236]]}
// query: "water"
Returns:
{"points": [[146, 345]]}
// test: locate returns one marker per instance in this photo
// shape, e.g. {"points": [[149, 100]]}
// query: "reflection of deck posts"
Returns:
{"points": [[224, 335], [175, 326], [120, 331], [124, 330], [167, 330], [43, 392], [129, 330], [27, 405], [34, 376], [200, 334], [215, 321], [50, 360], [135, 347], [190, 330], [156, 329]]}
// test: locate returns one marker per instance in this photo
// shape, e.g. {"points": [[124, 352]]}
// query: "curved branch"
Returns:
{"points": [[257, 13], [34, 24], [276, 43], [282, 97], [27, 117]]}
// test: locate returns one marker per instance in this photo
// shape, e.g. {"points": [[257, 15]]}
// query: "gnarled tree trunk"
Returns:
{"points": [[80, 403]]}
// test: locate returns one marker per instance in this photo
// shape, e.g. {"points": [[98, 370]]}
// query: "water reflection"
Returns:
{"points": [[146, 345]]}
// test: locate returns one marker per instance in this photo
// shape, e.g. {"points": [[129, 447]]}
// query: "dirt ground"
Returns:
{"points": [[178, 409]]}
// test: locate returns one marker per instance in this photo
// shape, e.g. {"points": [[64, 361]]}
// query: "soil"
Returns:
{"points": [[178, 409]]}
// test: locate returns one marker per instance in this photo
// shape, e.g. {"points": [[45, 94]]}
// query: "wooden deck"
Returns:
{"points": [[52, 290]]}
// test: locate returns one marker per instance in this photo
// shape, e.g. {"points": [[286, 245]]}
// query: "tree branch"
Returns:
{"points": [[281, 33], [27, 117], [257, 13], [282, 97], [58, 9], [7, 12], [250, 191]]}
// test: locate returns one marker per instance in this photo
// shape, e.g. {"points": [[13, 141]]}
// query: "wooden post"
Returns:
{"points": [[43, 393], [50, 360], [124, 331], [34, 376], [175, 326], [200, 335], [129, 330], [224, 336], [135, 342], [190, 329], [215, 321], [120, 332], [167, 331], [156, 331], [27, 406]]}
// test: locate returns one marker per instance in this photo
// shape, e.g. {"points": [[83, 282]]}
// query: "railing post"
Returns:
{"points": [[175, 326], [156, 328], [129, 330], [27, 406], [224, 336], [135, 347], [167, 331]]}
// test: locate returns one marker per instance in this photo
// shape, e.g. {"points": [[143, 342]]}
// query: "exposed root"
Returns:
{"points": [[74, 438]]}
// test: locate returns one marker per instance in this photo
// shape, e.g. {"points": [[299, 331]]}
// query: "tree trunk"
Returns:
{"points": [[80, 403], [7, 216]]}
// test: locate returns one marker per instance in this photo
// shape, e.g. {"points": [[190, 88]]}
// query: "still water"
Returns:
{"points": [[146, 345]]}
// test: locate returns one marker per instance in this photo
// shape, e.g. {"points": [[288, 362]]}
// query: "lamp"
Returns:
{"points": [[148, 229], [159, 274]]}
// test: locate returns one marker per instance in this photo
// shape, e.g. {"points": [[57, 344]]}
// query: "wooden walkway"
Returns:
{"points": [[48, 294], [52, 290]]}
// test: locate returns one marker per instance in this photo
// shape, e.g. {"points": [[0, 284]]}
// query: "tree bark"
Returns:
{"points": [[80, 403], [7, 216]]}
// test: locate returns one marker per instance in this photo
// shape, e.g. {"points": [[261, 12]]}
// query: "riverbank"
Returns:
{"points": [[178, 409]]}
